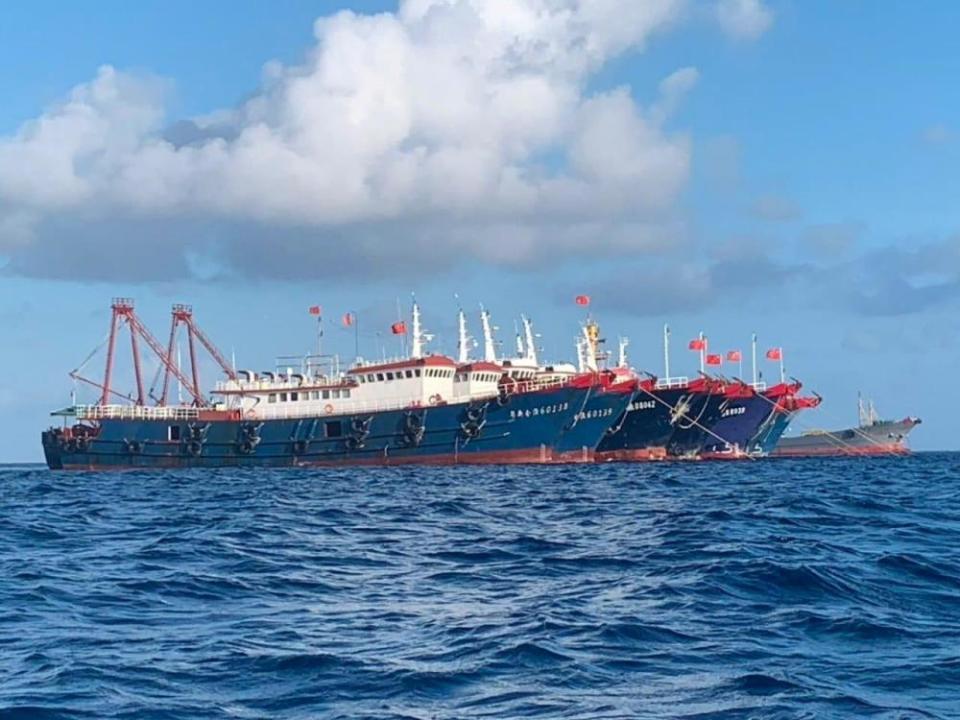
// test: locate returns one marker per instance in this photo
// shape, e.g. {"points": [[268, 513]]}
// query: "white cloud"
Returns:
{"points": [[937, 135], [744, 19], [452, 114], [774, 208]]}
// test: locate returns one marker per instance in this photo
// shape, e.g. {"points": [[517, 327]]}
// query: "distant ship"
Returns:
{"points": [[873, 436]]}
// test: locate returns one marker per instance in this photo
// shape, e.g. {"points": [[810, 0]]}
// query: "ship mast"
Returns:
{"points": [[489, 348], [463, 340], [753, 350], [666, 351], [591, 334], [622, 352], [531, 341], [416, 349]]}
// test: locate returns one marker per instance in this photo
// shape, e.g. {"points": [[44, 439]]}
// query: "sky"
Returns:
{"points": [[730, 167]]}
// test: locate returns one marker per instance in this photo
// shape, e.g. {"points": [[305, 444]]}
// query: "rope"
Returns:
{"points": [[576, 415], [695, 422], [703, 409], [852, 449]]}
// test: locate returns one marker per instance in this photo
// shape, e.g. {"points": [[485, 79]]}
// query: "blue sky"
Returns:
{"points": [[793, 175]]}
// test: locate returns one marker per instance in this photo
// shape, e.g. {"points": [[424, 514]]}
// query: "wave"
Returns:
{"points": [[803, 589]]}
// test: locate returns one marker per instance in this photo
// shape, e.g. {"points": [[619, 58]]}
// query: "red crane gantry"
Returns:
{"points": [[123, 313]]}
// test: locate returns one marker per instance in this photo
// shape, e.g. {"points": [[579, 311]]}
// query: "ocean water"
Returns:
{"points": [[791, 588]]}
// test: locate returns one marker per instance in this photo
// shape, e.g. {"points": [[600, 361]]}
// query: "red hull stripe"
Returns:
{"points": [[892, 449], [528, 456], [632, 455]]}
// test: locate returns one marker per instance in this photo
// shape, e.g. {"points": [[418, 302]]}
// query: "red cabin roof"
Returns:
{"points": [[480, 366], [428, 361]]}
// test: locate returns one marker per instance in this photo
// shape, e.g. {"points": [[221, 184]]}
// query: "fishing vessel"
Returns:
{"points": [[747, 423], [424, 408], [872, 436], [608, 391], [613, 390], [668, 417]]}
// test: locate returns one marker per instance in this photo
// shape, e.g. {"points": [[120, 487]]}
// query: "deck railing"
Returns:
{"points": [[134, 412], [672, 382]]}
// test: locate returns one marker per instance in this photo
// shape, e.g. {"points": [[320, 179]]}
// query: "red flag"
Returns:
{"points": [[399, 328], [698, 344], [775, 354], [348, 319], [714, 360], [734, 356], [314, 309], [582, 300]]}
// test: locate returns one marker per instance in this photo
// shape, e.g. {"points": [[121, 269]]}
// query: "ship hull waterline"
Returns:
{"points": [[527, 429]]}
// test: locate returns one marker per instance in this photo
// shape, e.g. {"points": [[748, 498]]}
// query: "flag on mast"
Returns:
{"points": [[315, 310], [775, 354], [698, 344], [582, 300], [348, 320], [714, 360], [399, 328]]}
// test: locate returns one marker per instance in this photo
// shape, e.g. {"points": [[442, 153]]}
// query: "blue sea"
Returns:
{"points": [[766, 589]]}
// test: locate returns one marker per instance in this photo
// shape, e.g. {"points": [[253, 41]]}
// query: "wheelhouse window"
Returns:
{"points": [[345, 393], [326, 394], [272, 398], [294, 397], [379, 377], [370, 377], [283, 397], [417, 372], [409, 373], [389, 376]]}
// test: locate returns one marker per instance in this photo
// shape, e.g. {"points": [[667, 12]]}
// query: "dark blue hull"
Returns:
{"points": [[643, 429], [589, 426], [739, 423], [525, 429], [692, 430], [770, 433]]}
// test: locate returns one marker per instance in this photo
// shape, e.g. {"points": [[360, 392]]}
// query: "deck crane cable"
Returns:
{"points": [[89, 357]]}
